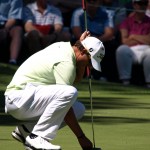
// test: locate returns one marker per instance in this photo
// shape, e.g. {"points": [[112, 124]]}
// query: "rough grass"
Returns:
{"points": [[121, 116]]}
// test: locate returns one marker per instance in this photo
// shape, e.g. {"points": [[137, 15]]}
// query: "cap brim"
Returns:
{"points": [[96, 65]]}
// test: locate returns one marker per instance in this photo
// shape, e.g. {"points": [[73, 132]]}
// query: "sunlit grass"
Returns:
{"points": [[121, 116]]}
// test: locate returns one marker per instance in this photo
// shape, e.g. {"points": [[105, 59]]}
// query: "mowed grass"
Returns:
{"points": [[121, 116]]}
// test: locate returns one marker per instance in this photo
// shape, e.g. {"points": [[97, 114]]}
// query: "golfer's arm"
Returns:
{"points": [[79, 74], [72, 122]]}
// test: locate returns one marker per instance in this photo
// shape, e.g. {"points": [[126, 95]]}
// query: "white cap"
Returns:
{"points": [[96, 49]]}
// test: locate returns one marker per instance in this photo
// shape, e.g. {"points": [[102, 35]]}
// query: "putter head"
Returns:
{"points": [[96, 148]]}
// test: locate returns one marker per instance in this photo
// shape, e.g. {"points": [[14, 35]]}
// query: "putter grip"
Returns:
{"points": [[83, 4]]}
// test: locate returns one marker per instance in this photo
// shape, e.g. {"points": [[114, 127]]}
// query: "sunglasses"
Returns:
{"points": [[142, 3]]}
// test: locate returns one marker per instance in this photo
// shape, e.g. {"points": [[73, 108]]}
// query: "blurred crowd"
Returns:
{"points": [[28, 26]]}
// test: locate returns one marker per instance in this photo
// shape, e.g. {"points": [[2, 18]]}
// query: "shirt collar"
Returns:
{"points": [[35, 7]]}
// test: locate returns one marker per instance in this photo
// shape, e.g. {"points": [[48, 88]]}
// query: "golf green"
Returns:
{"points": [[121, 116]]}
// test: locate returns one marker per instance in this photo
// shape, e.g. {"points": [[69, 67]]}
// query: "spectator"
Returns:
{"points": [[43, 25], [147, 10], [135, 48], [10, 13], [66, 7], [98, 23], [115, 11], [100, 26]]}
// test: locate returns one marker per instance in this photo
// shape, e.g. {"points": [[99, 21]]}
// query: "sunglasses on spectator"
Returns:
{"points": [[142, 3]]}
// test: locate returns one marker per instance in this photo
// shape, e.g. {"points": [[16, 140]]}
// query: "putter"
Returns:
{"points": [[85, 15], [91, 101], [89, 75]]}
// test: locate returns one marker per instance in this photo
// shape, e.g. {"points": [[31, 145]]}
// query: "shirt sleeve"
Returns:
{"points": [[27, 15], [107, 17], [110, 18], [15, 11]]}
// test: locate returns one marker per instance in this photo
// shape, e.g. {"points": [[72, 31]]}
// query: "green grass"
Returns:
{"points": [[121, 116]]}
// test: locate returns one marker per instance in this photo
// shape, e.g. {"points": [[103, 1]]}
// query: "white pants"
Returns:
{"points": [[45, 106], [126, 56]]}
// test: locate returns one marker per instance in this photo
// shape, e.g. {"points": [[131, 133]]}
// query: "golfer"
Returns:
{"points": [[41, 92]]}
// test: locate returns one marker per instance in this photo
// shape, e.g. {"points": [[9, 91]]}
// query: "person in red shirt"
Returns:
{"points": [[135, 48]]}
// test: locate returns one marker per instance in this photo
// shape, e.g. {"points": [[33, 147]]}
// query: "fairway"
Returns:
{"points": [[121, 116]]}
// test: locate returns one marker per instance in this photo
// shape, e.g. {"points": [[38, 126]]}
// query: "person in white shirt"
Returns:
{"points": [[43, 24]]}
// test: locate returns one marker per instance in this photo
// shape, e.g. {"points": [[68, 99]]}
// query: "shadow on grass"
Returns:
{"points": [[114, 120], [103, 103], [6, 69], [114, 103], [7, 120], [98, 104], [2, 101], [2, 139], [112, 87]]}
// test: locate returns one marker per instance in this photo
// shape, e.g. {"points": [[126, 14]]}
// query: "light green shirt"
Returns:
{"points": [[56, 64]]}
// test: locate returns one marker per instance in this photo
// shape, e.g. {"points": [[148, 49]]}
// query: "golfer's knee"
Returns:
{"points": [[72, 92], [79, 109]]}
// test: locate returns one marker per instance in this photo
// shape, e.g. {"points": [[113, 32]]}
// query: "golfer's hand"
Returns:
{"points": [[84, 35], [85, 143]]}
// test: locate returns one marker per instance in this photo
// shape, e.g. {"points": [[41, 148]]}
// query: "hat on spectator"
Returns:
{"points": [[96, 50]]}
